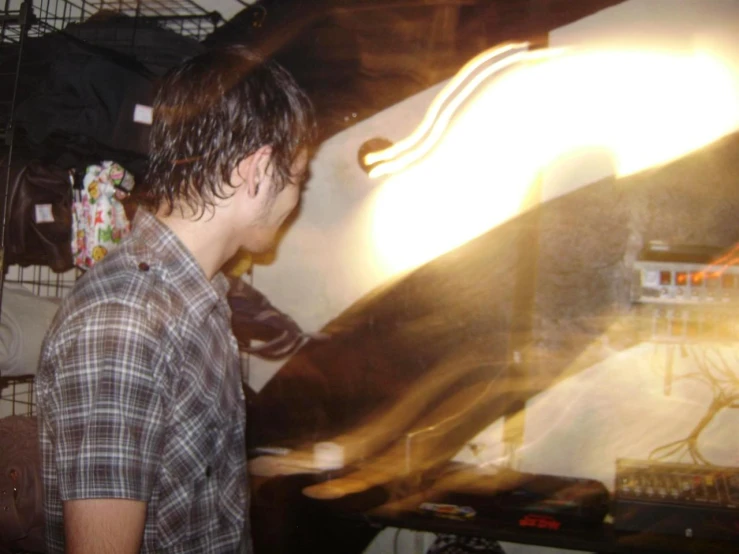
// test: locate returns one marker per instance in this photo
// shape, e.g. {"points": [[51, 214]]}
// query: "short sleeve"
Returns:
{"points": [[104, 406]]}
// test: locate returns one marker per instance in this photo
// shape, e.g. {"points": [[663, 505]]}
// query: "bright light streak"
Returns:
{"points": [[449, 91], [441, 120], [642, 108]]}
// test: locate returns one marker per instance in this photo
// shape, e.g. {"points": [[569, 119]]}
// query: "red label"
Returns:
{"points": [[539, 522]]}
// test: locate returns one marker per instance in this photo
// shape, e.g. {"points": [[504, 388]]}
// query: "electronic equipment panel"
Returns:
{"points": [[532, 500], [685, 499], [680, 275], [687, 293]]}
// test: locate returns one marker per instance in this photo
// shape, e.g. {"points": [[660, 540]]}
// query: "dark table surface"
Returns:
{"points": [[349, 524], [601, 538], [381, 507]]}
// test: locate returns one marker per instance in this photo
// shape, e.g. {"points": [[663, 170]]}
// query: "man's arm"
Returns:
{"points": [[104, 411], [104, 526]]}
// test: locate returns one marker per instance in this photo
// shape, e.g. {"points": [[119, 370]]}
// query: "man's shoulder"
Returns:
{"points": [[129, 282], [128, 276]]}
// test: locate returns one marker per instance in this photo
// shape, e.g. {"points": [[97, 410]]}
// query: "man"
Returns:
{"points": [[139, 391]]}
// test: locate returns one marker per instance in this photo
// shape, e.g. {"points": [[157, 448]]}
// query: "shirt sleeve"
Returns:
{"points": [[105, 407]]}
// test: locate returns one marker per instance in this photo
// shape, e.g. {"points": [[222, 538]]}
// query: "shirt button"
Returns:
{"points": [[143, 266], [208, 471]]}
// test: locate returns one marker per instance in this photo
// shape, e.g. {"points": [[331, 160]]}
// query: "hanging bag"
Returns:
{"points": [[39, 216], [99, 221]]}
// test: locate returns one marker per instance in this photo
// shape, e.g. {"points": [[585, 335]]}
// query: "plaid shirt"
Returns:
{"points": [[139, 397]]}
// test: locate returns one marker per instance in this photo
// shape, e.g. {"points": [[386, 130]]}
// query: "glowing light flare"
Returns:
{"points": [[644, 108], [717, 268], [437, 206], [684, 105], [450, 90], [435, 123]]}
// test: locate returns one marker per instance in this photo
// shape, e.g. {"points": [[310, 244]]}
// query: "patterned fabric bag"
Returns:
{"points": [[99, 219]]}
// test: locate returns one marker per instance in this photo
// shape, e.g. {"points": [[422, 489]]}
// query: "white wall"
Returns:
{"points": [[605, 405], [668, 24], [323, 266], [650, 25], [326, 261], [320, 268], [227, 8], [69, 11]]}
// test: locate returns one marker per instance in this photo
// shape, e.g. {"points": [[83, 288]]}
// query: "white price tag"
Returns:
{"points": [[143, 114], [44, 213]]}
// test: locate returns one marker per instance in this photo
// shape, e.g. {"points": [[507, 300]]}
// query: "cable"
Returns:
{"points": [[724, 385]]}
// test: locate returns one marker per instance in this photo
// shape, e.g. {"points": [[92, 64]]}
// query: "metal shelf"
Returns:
{"points": [[121, 26], [184, 17]]}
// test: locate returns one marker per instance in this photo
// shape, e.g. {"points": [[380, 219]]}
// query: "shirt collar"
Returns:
{"points": [[176, 264]]}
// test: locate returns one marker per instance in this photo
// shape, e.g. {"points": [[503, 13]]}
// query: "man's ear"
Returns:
{"points": [[254, 170]]}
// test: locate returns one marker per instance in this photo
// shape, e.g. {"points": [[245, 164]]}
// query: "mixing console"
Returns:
{"points": [[673, 498]]}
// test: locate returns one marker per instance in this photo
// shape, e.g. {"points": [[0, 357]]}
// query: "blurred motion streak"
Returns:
{"points": [[471, 163]]}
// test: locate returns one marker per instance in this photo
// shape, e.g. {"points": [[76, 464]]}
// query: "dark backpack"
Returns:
{"points": [[77, 103], [84, 104], [39, 214]]}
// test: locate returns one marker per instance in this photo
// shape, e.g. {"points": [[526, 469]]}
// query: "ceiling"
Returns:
{"points": [[357, 57]]}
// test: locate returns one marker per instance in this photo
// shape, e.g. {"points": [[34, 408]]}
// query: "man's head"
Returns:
{"points": [[215, 111]]}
